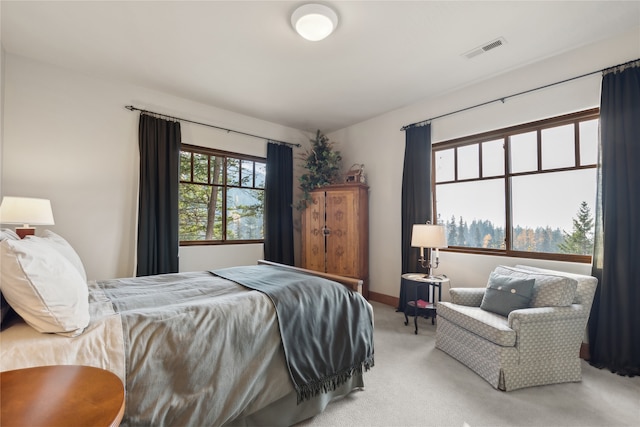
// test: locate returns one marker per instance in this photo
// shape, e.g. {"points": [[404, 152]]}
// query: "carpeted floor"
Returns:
{"points": [[414, 384]]}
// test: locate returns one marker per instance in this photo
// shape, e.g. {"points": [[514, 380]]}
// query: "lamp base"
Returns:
{"points": [[23, 232]]}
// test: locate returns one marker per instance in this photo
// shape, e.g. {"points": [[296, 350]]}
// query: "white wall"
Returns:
{"points": [[379, 144], [68, 137], [2, 62]]}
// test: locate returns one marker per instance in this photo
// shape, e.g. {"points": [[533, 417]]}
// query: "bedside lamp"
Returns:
{"points": [[27, 211], [429, 236]]}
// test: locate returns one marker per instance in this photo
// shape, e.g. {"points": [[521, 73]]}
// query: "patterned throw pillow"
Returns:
{"points": [[549, 290], [505, 294]]}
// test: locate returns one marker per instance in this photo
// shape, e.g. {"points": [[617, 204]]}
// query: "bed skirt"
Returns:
{"points": [[286, 411]]}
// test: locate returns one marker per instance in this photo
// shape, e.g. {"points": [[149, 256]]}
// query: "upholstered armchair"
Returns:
{"points": [[520, 347]]}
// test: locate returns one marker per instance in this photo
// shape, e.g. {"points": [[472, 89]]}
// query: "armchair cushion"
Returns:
{"points": [[489, 326], [549, 290], [505, 294]]}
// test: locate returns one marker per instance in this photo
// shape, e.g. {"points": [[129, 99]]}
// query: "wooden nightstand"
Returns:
{"points": [[61, 395]]}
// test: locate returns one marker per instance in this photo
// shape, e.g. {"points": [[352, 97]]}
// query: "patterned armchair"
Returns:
{"points": [[531, 346]]}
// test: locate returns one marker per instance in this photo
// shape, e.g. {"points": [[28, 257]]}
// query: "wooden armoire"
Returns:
{"points": [[335, 232]]}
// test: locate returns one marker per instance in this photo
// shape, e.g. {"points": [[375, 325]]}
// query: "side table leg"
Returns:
{"points": [[415, 309]]}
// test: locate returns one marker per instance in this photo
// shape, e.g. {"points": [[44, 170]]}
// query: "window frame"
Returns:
{"points": [[504, 134], [226, 154]]}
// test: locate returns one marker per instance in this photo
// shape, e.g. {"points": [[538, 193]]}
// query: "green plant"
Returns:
{"points": [[323, 166]]}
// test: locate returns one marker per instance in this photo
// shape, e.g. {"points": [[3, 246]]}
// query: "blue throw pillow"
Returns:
{"points": [[505, 294]]}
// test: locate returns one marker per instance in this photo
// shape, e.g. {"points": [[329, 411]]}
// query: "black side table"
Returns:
{"points": [[415, 287]]}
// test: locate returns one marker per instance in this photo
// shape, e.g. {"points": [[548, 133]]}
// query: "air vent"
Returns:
{"points": [[485, 48]]}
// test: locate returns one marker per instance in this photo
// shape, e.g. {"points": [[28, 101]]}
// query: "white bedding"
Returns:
{"points": [[101, 345]]}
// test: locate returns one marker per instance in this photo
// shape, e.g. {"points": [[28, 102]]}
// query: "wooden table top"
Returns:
{"points": [[61, 396]]}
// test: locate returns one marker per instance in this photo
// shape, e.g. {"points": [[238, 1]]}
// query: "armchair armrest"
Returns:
{"points": [[471, 297], [544, 314], [549, 332]]}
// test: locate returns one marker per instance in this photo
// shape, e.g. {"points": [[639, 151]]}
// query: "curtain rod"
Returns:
{"points": [[132, 108], [502, 99]]}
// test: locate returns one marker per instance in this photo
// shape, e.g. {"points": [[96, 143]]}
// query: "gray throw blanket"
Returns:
{"points": [[326, 329]]}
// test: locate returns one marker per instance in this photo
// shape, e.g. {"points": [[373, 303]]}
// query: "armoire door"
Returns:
{"points": [[342, 238], [313, 242]]}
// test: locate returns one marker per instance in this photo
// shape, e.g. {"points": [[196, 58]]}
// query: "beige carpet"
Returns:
{"points": [[414, 384]]}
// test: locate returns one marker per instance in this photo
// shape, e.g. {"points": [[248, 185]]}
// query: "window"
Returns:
{"points": [[525, 191], [221, 197]]}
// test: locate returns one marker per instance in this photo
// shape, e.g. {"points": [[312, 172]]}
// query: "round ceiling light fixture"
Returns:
{"points": [[314, 21]]}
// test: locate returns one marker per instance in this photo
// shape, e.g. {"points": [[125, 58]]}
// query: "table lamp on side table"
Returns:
{"points": [[429, 236], [27, 211]]}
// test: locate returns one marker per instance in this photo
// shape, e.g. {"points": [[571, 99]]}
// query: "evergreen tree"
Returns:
{"points": [[545, 239], [452, 229], [580, 240], [476, 234], [213, 210], [462, 233], [497, 242]]}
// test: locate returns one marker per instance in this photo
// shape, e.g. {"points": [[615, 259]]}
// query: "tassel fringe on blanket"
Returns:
{"points": [[331, 383]]}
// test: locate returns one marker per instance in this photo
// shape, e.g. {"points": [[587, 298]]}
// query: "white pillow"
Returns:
{"points": [[43, 287], [61, 245], [8, 234]]}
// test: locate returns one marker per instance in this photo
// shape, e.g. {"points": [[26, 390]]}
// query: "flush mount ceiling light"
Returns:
{"points": [[314, 21]]}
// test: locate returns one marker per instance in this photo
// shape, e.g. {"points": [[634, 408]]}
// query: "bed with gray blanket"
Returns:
{"points": [[258, 345]]}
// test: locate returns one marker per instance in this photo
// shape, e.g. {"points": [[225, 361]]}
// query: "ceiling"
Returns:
{"points": [[244, 56]]}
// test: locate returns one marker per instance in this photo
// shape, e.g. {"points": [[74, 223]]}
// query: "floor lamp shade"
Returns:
{"points": [[27, 211]]}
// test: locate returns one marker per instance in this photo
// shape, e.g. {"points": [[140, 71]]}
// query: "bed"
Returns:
{"points": [[205, 348]]}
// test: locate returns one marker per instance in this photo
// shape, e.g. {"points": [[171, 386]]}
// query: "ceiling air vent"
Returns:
{"points": [[485, 48]]}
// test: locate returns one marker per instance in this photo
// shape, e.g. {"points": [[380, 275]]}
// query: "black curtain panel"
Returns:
{"points": [[158, 241], [614, 325], [278, 200], [416, 191]]}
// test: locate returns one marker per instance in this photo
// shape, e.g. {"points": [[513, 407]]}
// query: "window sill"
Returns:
{"points": [[219, 242], [584, 259]]}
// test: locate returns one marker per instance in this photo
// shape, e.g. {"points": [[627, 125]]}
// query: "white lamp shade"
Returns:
{"points": [[428, 236], [26, 210], [314, 21]]}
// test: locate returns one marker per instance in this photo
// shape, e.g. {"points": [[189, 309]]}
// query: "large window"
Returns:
{"points": [[221, 197], [525, 191]]}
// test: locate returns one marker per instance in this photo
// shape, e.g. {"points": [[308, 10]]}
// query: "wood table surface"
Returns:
{"points": [[61, 395]]}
